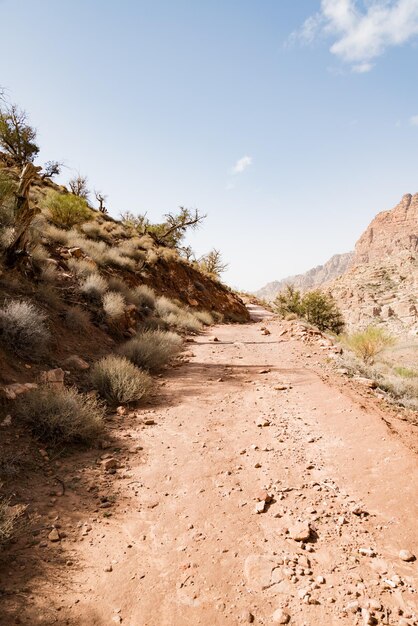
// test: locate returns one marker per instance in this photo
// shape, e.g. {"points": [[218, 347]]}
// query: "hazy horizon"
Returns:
{"points": [[290, 124]]}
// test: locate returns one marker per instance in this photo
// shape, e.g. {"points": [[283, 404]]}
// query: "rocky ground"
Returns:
{"points": [[259, 486]]}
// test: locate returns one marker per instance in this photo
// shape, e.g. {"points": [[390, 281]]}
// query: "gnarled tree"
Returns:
{"points": [[17, 136], [78, 186]]}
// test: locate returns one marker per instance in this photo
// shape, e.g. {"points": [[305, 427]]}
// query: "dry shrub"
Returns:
{"points": [[56, 235], [152, 257], [119, 381], [61, 415], [369, 343], [39, 254], [145, 296], [115, 257], [81, 267], [77, 319], [113, 304], [67, 209], [94, 286], [95, 230], [10, 518], [23, 329], [152, 349], [177, 316], [132, 249], [204, 317]]}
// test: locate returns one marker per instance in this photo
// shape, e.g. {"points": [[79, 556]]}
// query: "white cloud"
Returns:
{"points": [[414, 120], [242, 164], [362, 34]]}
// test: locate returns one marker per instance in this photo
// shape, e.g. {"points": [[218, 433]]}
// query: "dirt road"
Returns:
{"points": [[249, 417]]}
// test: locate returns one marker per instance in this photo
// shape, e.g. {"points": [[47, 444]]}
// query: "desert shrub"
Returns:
{"points": [[6, 236], [115, 257], [289, 302], [113, 304], [94, 286], [61, 415], [7, 188], [369, 343], [184, 320], [164, 306], [67, 209], [204, 317], [152, 349], [81, 267], [132, 249], [119, 381], [49, 274], [23, 329], [405, 372], [56, 235], [145, 296], [10, 516], [39, 254], [77, 319], [152, 257], [321, 310], [94, 230]]}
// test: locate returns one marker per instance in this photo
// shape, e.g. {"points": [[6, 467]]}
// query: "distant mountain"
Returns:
{"points": [[337, 265]]}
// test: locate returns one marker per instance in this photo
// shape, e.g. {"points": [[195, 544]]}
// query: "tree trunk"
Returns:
{"points": [[23, 214]]}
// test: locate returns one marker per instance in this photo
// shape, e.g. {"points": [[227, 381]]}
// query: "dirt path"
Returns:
{"points": [[184, 545]]}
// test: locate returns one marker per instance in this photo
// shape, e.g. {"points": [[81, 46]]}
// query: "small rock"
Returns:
{"points": [[281, 617], [264, 496], [406, 555], [367, 552], [110, 464], [76, 363], [108, 568], [54, 535], [149, 422], [260, 507], [53, 377], [300, 532]]}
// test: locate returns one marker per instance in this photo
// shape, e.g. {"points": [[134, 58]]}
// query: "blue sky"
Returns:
{"points": [[291, 124]]}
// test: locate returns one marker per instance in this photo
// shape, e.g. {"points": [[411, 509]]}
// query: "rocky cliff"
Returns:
{"points": [[391, 232], [311, 279]]}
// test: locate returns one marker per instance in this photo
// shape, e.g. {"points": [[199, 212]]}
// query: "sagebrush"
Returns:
{"points": [[23, 329], [152, 349], [119, 381]]}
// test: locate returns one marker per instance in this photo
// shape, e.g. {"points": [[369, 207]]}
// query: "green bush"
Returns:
{"points": [[288, 302], [23, 329], [316, 307], [120, 381], [369, 343], [320, 309], [152, 349], [61, 415], [67, 209]]}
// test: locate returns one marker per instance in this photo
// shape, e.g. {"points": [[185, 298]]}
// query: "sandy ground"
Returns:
{"points": [[173, 537]]}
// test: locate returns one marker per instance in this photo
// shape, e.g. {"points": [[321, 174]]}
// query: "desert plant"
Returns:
{"points": [[115, 257], [51, 169], [152, 349], [66, 209], [145, 296], [132, 249], [77, 319], [23, 329], [321, 310], [79, 187], [119, 381], [7, 189], [184, 320], [369, 343], [94, 286], [57, 235], [17, 137], [61, 415], [204, 317], [113, 304], [81, 267], [289, 301], [212, 263], [10, 517]]}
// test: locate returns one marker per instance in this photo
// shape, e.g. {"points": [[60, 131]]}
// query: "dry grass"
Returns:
{"points": [[10, 518], [204, 317], [23, 329], [94, 286], [152, 349], [176, 316], [114, 304], [119, 381], [145, 296], [81, 267], [77, 319], [61, 415]]}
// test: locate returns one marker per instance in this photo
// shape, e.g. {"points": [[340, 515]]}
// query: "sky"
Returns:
{"points": [[290, 124]]}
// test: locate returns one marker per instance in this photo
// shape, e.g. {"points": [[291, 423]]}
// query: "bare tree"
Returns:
{"points": [[212, 263], [101, 199], [51, 168], [17, 136], [23, 216], [78, 186]]}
